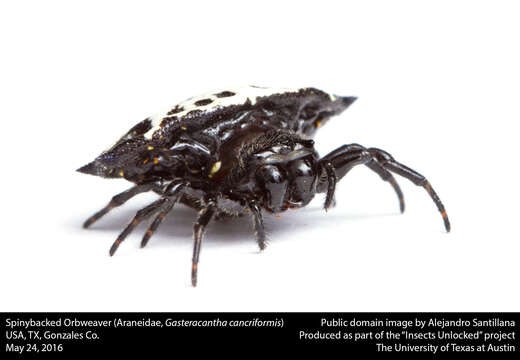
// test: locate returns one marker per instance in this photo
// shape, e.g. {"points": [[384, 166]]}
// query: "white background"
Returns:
{"points": [[438, 85]]}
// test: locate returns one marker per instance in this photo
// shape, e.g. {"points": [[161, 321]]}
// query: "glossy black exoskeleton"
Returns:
{"points": [[234, 152]]}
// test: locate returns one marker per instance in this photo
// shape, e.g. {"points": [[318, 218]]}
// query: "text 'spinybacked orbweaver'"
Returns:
{"points": [[234, 152]]}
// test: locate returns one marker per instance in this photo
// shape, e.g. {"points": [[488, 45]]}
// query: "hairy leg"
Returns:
{"points": [[347, 156], [258, 224], [205, 216], [141, 215], [173, 193], [118, 200]]}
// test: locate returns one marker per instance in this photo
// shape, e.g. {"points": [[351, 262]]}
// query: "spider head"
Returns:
{"points": [[286, 176]]}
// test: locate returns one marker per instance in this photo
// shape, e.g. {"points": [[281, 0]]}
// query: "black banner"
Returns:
{"points": [[414, 334]]}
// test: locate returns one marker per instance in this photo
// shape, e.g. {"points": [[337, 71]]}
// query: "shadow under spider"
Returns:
{"points": [[178, 225]]}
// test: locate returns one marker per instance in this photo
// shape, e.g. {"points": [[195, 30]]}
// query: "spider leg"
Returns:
{"points": [[258, 224], [347, 156], [172, 192], [141, 215], [166, 208], [389, 163], [205, 216], [332, 179], [387, 176], [350, 156], [116, 201]]}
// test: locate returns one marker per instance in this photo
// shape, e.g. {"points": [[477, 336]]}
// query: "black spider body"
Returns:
{"points": [[235, 152]]}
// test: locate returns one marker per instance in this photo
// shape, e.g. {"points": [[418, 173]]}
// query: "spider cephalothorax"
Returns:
{"points": [[237, 152]]}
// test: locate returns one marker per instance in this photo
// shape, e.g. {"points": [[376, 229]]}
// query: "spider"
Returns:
{"points": [[236, 152]]}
